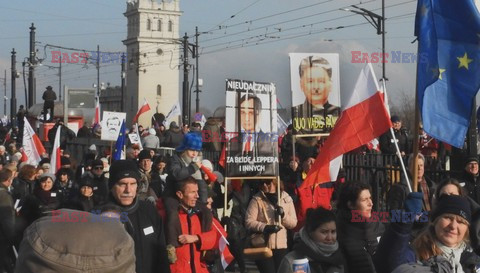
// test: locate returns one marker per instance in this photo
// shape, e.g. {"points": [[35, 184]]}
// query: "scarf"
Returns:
{"points": [[272, 198], [453, 255], [317, 247], [187, 160]]}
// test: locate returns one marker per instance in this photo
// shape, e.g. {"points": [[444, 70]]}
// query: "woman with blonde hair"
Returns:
{"points": [[442, 247], [272, 216]]}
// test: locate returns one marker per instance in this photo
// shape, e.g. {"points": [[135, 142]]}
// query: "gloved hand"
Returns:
{"points": [[279, 212], [152, 200], [269, 229], [413, 203]]}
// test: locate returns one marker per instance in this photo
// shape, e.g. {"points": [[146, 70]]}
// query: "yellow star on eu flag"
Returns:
{"points": [[464, 61], [440, 71]]}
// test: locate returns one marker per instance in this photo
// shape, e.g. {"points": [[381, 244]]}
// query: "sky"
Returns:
{"points": [[248, 40]]}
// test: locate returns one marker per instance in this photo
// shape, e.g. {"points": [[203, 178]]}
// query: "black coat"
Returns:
{"points": [[387, 146], [146, 228], [172, 138], [472, 185], [21, 189], [358, 242], [65, 134], [7, 217]]}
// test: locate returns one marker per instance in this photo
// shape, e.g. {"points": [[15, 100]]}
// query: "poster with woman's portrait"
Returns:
{"points": [[315, 83]]}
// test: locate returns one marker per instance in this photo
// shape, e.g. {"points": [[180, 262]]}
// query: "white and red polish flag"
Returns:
{"points": [[55, 157], [145, 107], [226, 256], [32, 146], [365, 117], [96, 118]]}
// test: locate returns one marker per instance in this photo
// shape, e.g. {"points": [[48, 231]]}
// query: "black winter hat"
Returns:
{"points": [[454, 204], [144, 154], [471, 159], [96, 162], [122, 169], [65, 161]]}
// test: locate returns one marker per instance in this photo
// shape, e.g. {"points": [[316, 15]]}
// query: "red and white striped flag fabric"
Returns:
{"points": [[226, 256], [145, 107], [96, 118], [364, 118], [55, 157], [32, 146]]}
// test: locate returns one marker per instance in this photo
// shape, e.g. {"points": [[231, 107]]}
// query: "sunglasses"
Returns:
{"points": [[98, 168]]}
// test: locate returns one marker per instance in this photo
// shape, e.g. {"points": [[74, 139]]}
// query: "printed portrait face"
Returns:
{"points": [[316, 84]]}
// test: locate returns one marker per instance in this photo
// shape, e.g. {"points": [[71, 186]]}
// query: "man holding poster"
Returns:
{"points": [[252, 146], [315, 77]]}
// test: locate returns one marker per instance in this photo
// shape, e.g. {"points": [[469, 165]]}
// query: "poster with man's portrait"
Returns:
{"points": [[315, 82], [251, 129], [111, 124]]}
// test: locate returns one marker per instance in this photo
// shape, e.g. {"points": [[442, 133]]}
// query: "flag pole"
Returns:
{"points": [[416, 132], [396, 146]]}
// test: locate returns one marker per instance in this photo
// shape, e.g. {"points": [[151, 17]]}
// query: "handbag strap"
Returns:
{"points": [[264, 209]]}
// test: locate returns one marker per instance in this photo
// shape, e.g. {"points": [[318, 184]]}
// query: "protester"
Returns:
{"points": [[196, 235], [159, 175], [151, 141], [469, 178], [64, 185], [91, 244], [147, 226], [443, 245], [24, 184], [7, 221], [357, 239], [182, 165], [173, 137], [318, 243], [43, 200], [100, 187], [263, 214], [145, 167]]}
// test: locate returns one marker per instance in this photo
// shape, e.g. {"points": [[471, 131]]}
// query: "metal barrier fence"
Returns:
{"points": [[379, 170]]}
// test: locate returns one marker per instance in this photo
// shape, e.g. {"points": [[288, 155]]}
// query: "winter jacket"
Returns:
{"points": [[49, 95], [65, 134], [255, 220], [358, 241], [190, 224], [177, 171], [394, 254], [21, 189], [173, 137], [151, 142], [313, 197], [471, 184], [387, 146], [93, 246], [39, 204], [398, 193], [334, 263], [147, 231], [7, 217]]}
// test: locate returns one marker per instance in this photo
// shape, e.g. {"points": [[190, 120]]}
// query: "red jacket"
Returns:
{"points": [[312, 197], [207, 241]]}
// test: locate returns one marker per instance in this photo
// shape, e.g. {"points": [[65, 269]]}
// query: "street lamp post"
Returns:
{"points": [[31, 69], [13, 100], [378, 22]]}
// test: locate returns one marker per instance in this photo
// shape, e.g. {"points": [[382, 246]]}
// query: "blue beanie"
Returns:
{"points": [[191, 141]]}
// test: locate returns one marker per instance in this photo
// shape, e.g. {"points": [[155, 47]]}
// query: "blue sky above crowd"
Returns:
{"points": [[247, 40]]}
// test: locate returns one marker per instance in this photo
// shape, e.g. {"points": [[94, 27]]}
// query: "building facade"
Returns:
{"points": [[153, 57]]}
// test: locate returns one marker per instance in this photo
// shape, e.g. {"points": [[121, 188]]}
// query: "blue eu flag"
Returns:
{"points": [[117, 154], [448, 73]]}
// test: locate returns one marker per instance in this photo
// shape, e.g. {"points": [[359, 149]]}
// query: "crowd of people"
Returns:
{"points": [[171, 209]]}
